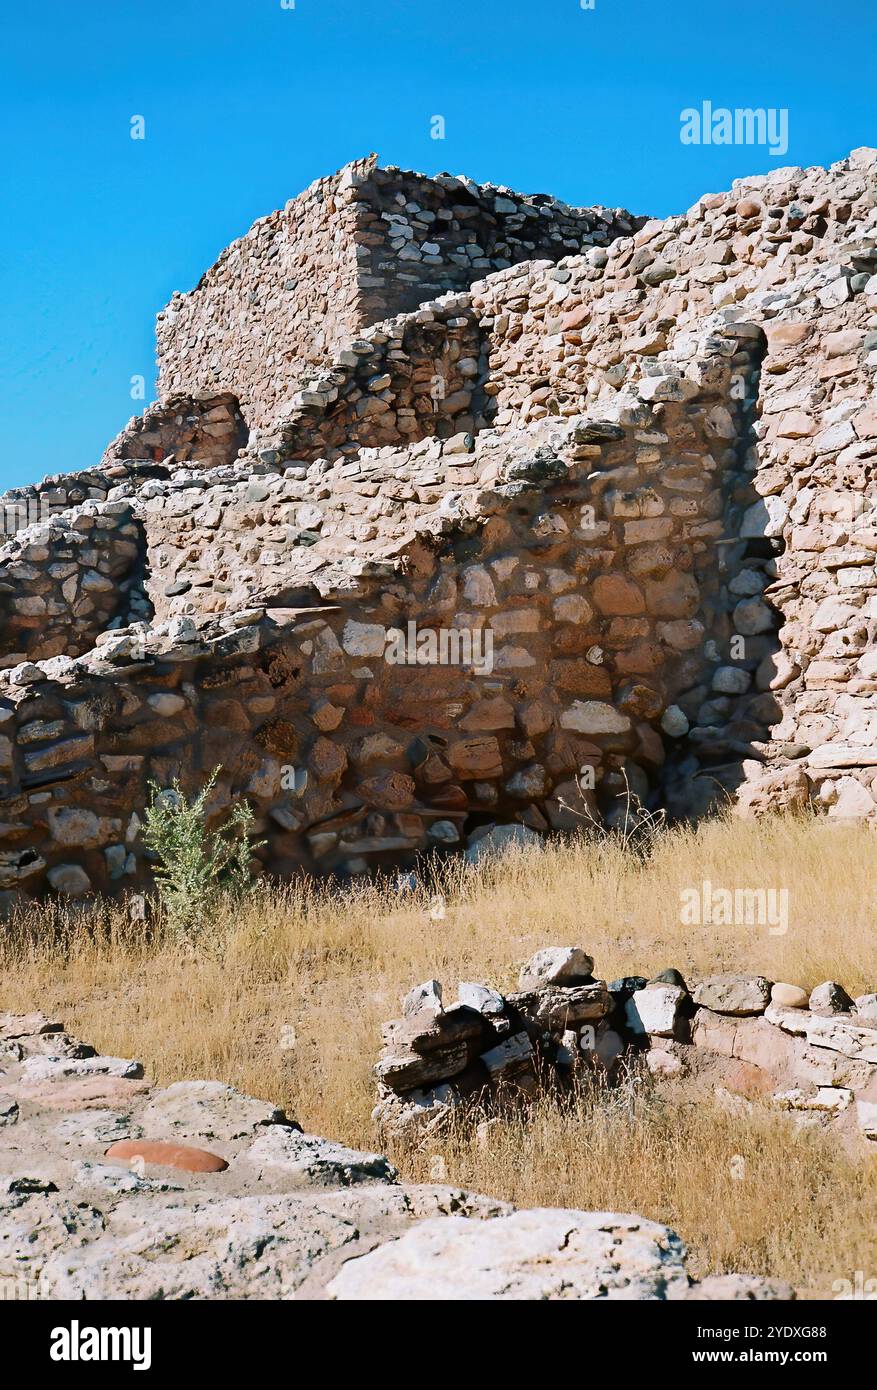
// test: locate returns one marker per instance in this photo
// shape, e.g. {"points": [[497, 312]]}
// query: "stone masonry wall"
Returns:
{"points": [[64, 582], [208, 431], [813, 1052], [353, 249], [648, 475], [580, 560], [400, 381]]}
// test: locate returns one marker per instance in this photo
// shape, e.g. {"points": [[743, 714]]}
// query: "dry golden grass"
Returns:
{"points": [[321, 971]]}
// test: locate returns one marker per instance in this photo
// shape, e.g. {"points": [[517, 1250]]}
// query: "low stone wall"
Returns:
{"points": [[63, 583], [510, 632], [740, 1036], [403, 380]]}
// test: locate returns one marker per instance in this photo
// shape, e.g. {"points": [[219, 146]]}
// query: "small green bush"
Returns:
{"points": [[196, 866]]}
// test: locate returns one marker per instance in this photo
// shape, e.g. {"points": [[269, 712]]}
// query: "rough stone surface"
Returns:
{"points": [[276, 1214], [417, 540], [737, 1034], [734, 994]]}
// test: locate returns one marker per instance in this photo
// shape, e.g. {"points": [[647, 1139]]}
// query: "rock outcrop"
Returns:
{"points": [[460, 509], [111, 1188]]}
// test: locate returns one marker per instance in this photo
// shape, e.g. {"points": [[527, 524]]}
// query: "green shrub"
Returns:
{"points": [[196, 866]]}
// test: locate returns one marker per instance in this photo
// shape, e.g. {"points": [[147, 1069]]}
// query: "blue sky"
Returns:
{"points": [[245, 102]]}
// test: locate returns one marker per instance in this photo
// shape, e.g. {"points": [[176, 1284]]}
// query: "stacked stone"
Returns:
{"points": [[594, 561], [407, 379], [64, 582], [814, 1055], [794, 253], [630, 564], [274, 303], [419, 237], [353, 249], [488, 1048], [207, 430], [25, 506]]}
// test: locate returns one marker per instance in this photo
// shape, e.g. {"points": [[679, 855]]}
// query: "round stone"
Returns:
{"points": [[731, 680], [69, 879], [830, 998], [789, 996], [674, 722]]}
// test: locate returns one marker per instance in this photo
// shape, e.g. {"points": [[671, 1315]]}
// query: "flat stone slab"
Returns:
{"points": [[546, 1253], [317, 1162], [837, 1032]]}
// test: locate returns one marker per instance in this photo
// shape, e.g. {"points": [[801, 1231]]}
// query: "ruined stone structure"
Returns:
{"points": [[460, 508], [812, 1054]]}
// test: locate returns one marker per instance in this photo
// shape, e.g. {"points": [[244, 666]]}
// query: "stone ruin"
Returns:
{"points": [[742, 1036], [462, 510], [114, 1188]]}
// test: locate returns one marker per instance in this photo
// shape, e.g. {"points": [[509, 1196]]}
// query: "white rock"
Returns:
{"points": [[556, 965], [364, 639], [654, 1009], [425, 996], [541, 1254], [594, 717], [500, 838]]}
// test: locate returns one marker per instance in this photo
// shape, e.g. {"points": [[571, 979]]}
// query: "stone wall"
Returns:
{"points": [[794, 254], [409, 378], [353, 249], [647, 479], [501, 641], [63, 583], [814, 1053], [206, 431]]}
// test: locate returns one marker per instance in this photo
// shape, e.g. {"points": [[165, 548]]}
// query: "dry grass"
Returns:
{"points": [[332, 967]]}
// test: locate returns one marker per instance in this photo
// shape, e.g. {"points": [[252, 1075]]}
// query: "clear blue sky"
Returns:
{"points": [[246, 102]]}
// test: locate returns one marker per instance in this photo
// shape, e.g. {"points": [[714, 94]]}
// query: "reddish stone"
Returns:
{"points": [[615, 594], [476, 757], [168, 1155], [780, 335], [80, 1093], [580, 678], [865, 423], [390, 791], [747, 1079], [451, 798], [575, 318]]}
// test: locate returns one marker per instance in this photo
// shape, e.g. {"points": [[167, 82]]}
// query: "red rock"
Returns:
{"points": [[575, 318], [168, 1155], [616, 594], [391, 791], [865, 423]]}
